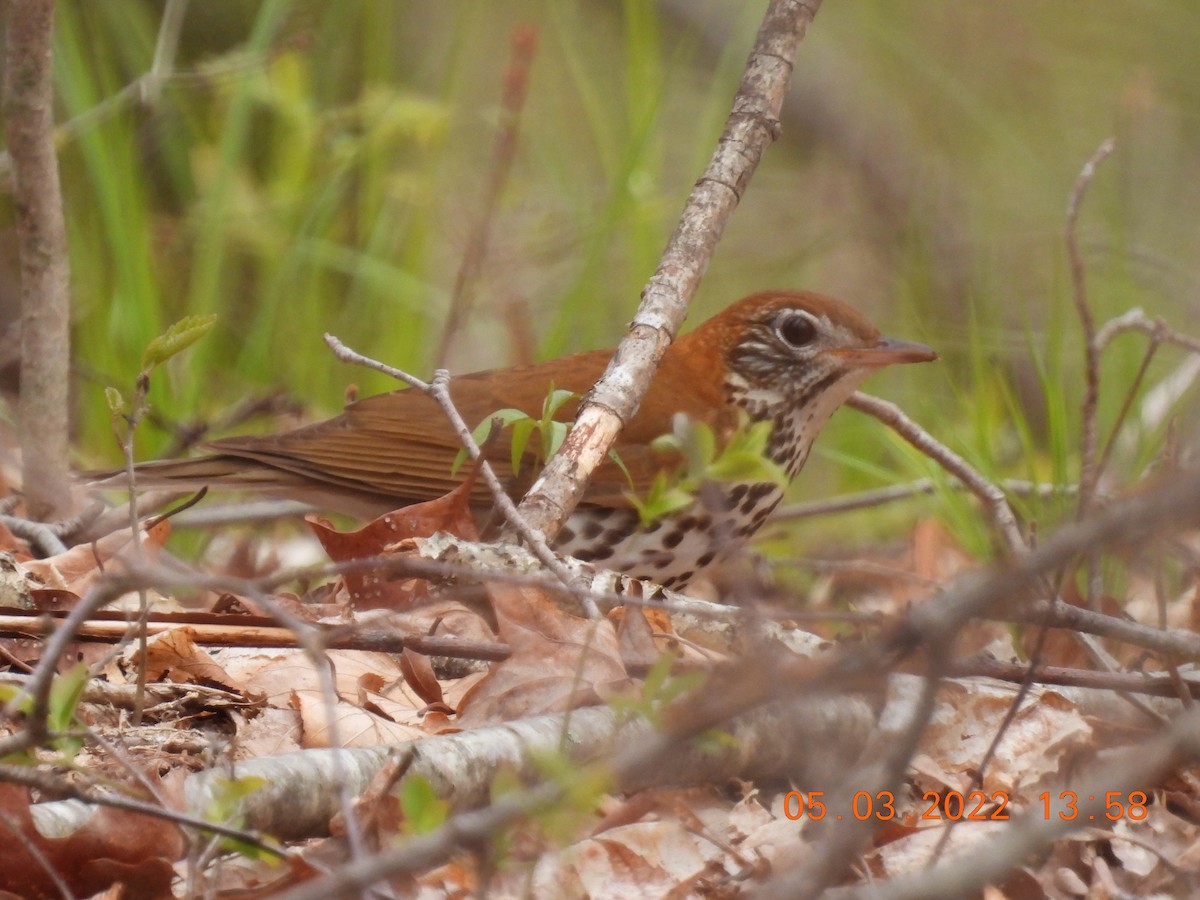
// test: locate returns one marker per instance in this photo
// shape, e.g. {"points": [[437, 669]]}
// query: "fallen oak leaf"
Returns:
{"points": [[75, 570], [558, 661], [372, 590]]}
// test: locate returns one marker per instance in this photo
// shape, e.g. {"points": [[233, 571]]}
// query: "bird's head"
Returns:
{"points": [[794, 357]]}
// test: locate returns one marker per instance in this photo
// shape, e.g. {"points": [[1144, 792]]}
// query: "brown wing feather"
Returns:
{"points": [[392, 449]]}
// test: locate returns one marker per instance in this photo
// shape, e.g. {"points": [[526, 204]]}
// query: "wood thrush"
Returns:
{"points": [[788, 358]]}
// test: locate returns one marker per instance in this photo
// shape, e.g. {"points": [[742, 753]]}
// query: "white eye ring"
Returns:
{"points": [[795, 328]]}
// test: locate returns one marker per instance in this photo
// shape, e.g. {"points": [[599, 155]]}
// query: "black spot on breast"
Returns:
{"points": [[738, 492], [673, 540], [584, 555], [706, 558], [565, 535], [592, 529], [761, 490]]}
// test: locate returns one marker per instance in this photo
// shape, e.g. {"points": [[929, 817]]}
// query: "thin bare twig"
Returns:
{"points": [[40, 535], [896, 492], [1126, 405], [516, 84], [438, 391], [991, 495], [1088, 476]]}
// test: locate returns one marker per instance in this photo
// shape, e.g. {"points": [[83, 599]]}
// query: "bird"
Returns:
{"points": [[790, 358]]}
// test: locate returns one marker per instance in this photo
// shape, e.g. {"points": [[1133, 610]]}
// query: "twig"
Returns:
{"points": [[357, 637], [752, 125], [1089, 472], [438, 390], [165, 49], [217, 515], [1137, 320], [1151, 684], [897, 492], [516, 83], [991, 495], [1088, 475], [147, 86], [1168, 642], [1127, 404], [39, 534]]}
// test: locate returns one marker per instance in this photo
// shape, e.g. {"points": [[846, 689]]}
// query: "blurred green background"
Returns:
{"points": [[318, 167]]}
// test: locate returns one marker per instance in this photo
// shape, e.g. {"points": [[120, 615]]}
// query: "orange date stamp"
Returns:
{"points": [[968, 806]]}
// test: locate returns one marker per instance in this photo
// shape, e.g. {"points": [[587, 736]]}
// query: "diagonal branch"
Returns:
{"points": [[752, 126]]}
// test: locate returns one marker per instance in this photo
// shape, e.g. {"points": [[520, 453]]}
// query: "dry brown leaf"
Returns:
{"points": [[638, 649], [270, 732], [1046, 732], [374, 703], [376, 590], [174, 656], [13, 545], [914, 852], [75, 570], [558, 661], [646, 859], [418, 672], [112, 847], [354, 726]]}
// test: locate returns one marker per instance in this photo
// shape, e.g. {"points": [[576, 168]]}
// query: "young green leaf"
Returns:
{"points": [[175, 339], [117, 407], [423, 809]]}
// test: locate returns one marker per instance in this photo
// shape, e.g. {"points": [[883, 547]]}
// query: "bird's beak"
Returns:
{"points": [[884, 352]]}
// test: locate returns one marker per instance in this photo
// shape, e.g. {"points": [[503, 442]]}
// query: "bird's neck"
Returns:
{"points": [[797, 412]]}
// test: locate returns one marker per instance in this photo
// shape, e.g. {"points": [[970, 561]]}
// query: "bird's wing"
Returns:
{"points": [[399, 448]]}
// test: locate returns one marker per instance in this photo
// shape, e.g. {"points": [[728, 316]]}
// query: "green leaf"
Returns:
{"points": [[666, 443], [521, 432], [483, 431], [554, 402], [616, 458], [225, 806], [117, 407], [744, 466], [66, 690], [700, 446], [553, 437], [175, 339], [423, 809], [663, 498], [507, 417]]}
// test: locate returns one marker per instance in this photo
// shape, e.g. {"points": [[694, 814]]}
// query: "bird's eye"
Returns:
{"points": [[795, 329]]}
